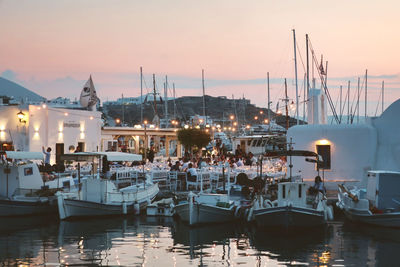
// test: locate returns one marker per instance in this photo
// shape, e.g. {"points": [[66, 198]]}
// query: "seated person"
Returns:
{"points": [[176, 167], [191, 173], [317, 187]]}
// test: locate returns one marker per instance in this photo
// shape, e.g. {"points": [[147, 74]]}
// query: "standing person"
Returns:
{"points": [[150, 156], [47, 154]]}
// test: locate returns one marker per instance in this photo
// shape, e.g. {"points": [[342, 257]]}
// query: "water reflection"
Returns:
{"points": [[152, 241]]}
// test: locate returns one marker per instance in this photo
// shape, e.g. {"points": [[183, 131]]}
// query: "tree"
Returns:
{"points": [[193, 137]]}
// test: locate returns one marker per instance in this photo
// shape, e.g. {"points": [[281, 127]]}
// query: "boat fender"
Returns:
{"points": [[246, 213], [330, 213], [136, 208], [236, 213], [268, 203], [124, 208], [250, 215]]}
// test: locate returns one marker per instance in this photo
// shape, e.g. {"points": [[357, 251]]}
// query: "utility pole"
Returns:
{"points": [[295, 74]]}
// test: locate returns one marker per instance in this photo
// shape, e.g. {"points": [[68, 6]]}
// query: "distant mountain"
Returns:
{"points": [[20, 93]]}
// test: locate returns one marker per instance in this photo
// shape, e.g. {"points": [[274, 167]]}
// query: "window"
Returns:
{"points": [[325, 152], [28, 171]]}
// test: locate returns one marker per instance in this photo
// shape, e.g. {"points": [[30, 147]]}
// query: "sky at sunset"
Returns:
{"points": [[51, 47]]}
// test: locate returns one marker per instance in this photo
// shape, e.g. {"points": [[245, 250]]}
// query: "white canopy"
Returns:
{"points": [[24, 155], [120, 156]]}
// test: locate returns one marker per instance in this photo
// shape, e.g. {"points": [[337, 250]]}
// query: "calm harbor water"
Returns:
{"points": [[150, 241]]}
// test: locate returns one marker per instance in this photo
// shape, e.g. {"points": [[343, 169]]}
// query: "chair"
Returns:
{"points": [[160, 177], [192, 180], [214, 177], [173, 180]]}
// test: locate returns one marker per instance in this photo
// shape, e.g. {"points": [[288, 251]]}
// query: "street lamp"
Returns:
{"points": [[21, 116], [117, 121]]}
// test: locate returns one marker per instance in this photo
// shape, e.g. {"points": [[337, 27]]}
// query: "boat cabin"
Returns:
{"points": [[292, 192]]}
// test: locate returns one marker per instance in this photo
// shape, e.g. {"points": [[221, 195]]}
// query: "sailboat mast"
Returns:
{"points": [[304, 98], [340, 106], [286, 106], [308, 67], [383, 91], [366, 94], [295, 74], [204, 99], [166, 101], [123, 110], [173, 86], [141, 95], [154, 95], [348, 103], [269, 101], [358, 100]]}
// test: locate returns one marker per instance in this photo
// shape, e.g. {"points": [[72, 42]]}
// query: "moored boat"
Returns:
{"points": [[23, 190], [377, 204], [206, 208]]}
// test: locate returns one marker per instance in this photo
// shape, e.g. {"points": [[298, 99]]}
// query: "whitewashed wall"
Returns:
{"points": [[49, 126], [353, 150]]}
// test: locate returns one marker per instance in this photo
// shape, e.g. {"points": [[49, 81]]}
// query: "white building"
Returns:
{"points": [[349, 151], [63, 130], [13, 130]]}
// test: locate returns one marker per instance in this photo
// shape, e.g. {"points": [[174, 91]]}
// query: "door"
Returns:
{"points": [[59, 151]]}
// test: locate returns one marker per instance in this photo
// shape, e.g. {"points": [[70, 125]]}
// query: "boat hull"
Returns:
{"points": [[385, 220], [203, 213], [20, 208], [81, 208], [288, 217]]}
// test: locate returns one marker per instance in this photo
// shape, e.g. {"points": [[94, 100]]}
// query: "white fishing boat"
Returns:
{"points": [[292, 207], [101, 197], [163, 207], [206, 208], [377, 204], [23, 189]]}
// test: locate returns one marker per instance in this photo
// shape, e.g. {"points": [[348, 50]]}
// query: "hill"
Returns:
{"points": [[218, 108], [20, 93]]}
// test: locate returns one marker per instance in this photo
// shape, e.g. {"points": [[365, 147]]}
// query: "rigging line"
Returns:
{"points": [[358, 100], [301, 58], [323, 84], [377, 105]]}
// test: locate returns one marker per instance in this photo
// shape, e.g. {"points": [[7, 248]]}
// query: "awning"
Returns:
{"points": [[120, 156], [111, 156], [26, 155], [80, 156]]}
